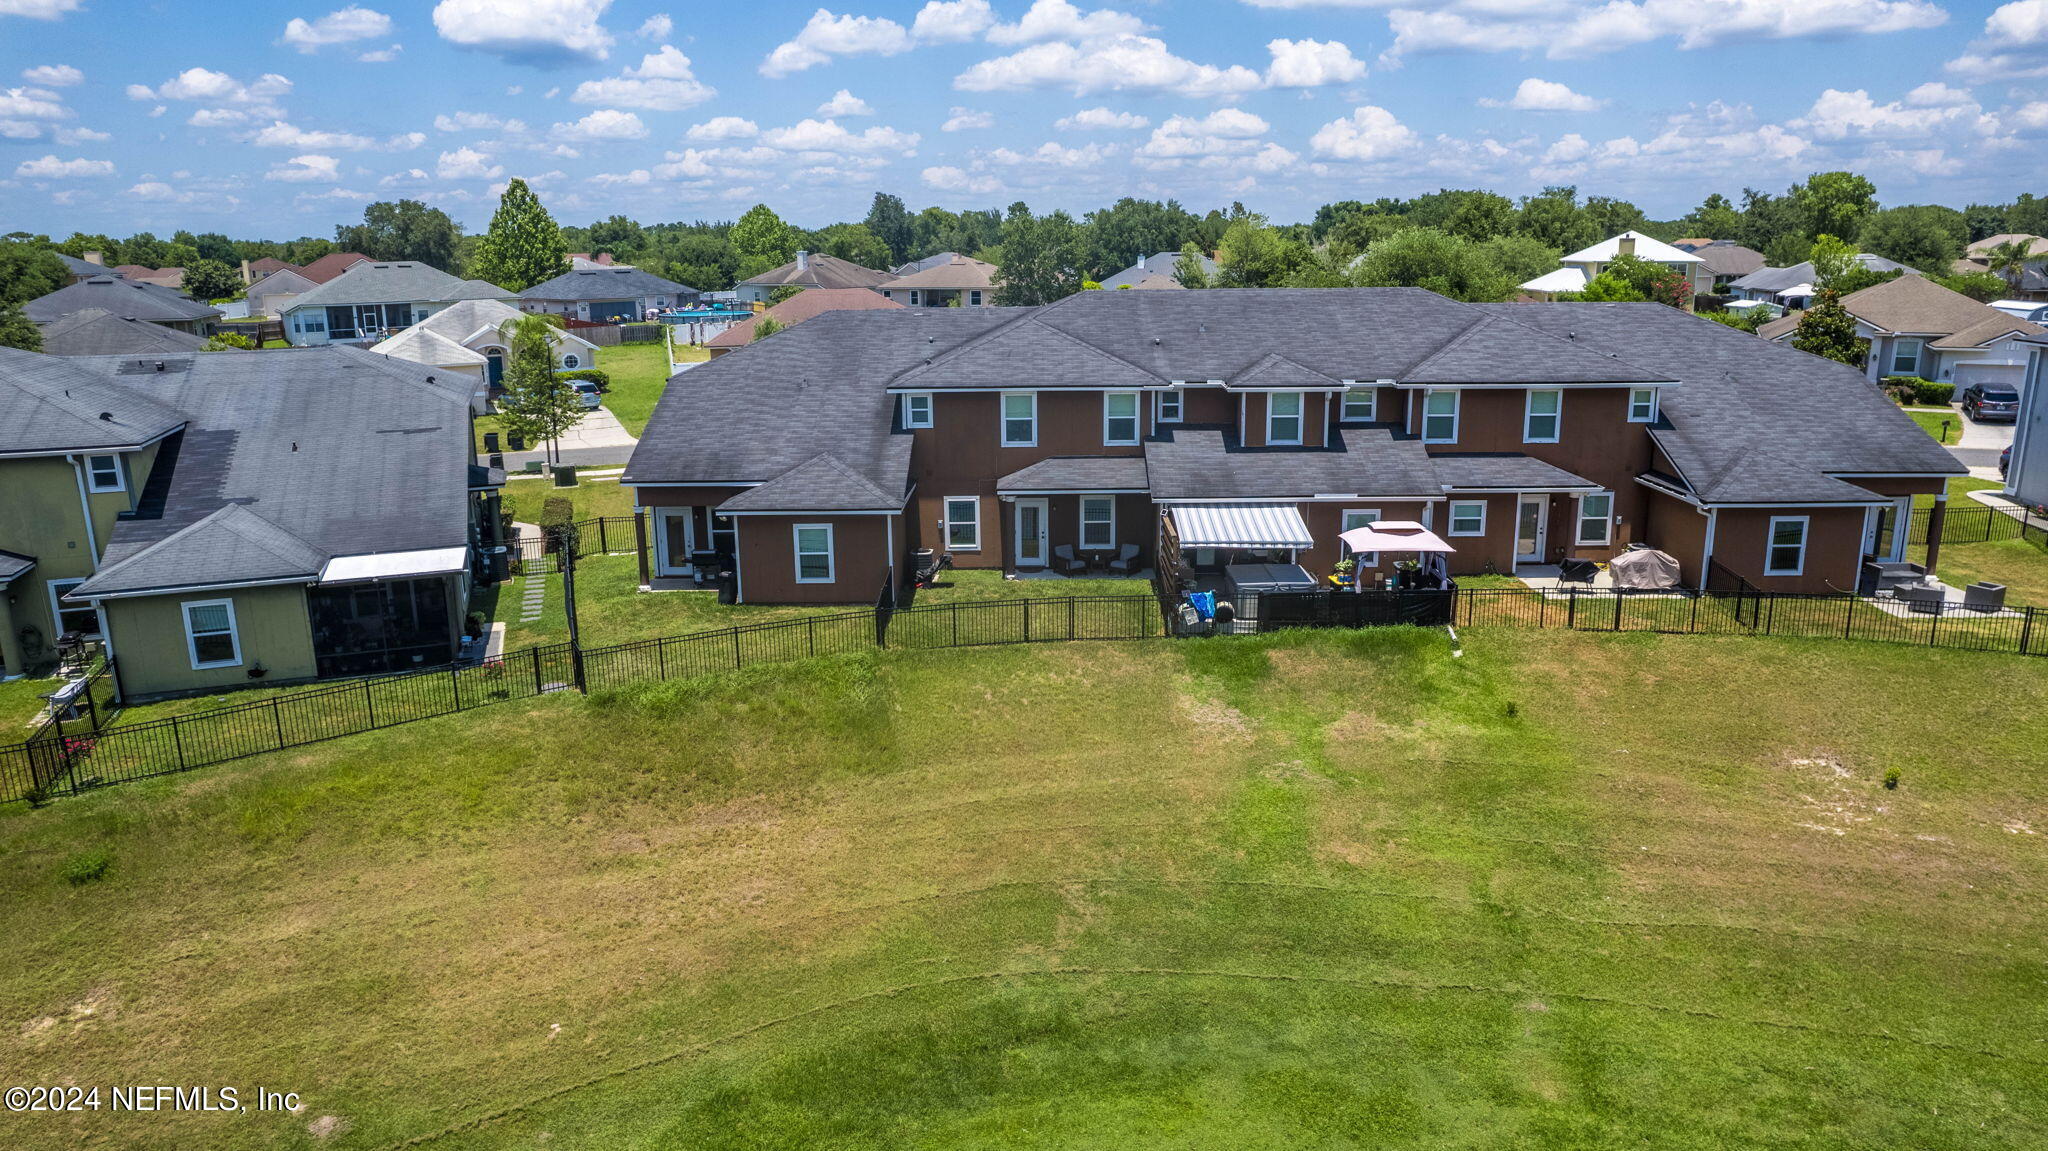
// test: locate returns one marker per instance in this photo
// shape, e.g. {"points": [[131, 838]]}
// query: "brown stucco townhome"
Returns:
{"points": [[816, 463]]}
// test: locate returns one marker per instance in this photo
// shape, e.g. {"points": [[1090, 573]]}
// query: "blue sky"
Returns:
{"points": [[121, 115]]}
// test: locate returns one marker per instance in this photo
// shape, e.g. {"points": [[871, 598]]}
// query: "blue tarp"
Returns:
{"points": [[1204, 603]]}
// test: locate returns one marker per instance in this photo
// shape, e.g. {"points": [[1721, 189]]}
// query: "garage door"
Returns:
{"points": [[614, 311], [2007, 374]]}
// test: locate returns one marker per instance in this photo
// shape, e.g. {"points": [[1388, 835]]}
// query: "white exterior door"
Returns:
{"points": [[1031, 533], [1532, 529], [672, 543]]}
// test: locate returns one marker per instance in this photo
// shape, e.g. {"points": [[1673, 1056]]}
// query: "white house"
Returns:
{"points": [[273, 293], [1578, 269], [2026, 480], [376, 298], [468, 337], [1918, 328]]}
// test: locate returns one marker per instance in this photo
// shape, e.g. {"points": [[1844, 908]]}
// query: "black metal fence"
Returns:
{"points": [[1972, 525], [600, 535]]}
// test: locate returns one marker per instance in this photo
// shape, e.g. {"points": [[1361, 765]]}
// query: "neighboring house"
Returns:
{"points": [[331, 265], [254, 270], [96, 332], [1159, 270], [1916, 327], [795, 310], [821, 459], [81, 269], [944, 281], [2026, 478], [585, 262], [1578, 269], [469, 337], [1793, 287], [128, 299], [1723, 261], [2033, 277], [605, 295], [224, 520], [173, 278], [374, 299], [809, 271], [272, 294]]}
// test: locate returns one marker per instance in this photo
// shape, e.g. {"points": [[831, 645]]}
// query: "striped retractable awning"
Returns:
{"points": [[1241, 526]]}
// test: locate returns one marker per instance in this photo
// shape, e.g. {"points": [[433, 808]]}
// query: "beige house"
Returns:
{"points": [[945, 281]]}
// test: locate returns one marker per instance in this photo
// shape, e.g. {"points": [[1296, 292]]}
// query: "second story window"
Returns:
{"points": [[1540, 423], [1439, 417], [1020, 419], [1642, 405], [917, 409], [1360, 405], [1283, 418], [103, 473], [1119, 418], [1170, 406]]}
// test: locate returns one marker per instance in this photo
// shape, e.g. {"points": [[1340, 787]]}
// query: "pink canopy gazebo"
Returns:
{"points": [[1401, 536]]}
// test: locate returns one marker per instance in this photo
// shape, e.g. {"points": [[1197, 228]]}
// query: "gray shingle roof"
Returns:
{"points": [[56, 404], [1157, 264], [94, 332], [13, 565], [1208, 463], [1277, 371], [335, 451], [1779, 279], [1027, 348], [1504, 471], [819, 272], [129, 299], [1079, 474], [396, 282], [606, 284], [823, 484], [1752, 421], [1495, 350], [78, 267]]}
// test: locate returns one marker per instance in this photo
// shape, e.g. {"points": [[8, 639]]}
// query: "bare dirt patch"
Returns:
{"points": [[1833, 798]]}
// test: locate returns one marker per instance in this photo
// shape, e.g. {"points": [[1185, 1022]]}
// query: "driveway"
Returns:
{"points": [[1979, 445], [597, 438]]}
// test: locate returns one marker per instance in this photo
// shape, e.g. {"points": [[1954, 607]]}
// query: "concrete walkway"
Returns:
{"points": [[598, 438], [1978, 447]]}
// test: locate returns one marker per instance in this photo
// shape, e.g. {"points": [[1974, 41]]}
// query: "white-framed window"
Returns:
{"points": [[963, 523], [1596, 519], [813, 553], [1361, 405], [914, 301], [210, 637], [1906, 357], [917, 410], [1440, 417], [1785, 554], [1358, 518], [71, 617], [1169, 406], [1468, 518], [571, 361], [1020, 419], [103, 474], [974, 297], [1642, 405], [1543, 416], [1098, 522], [1119, 418], [1283, 417]]}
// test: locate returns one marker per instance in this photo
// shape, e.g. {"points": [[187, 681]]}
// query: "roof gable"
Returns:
{"points": [[56, 404], [129, 299], [820, 484], [605, 283]]}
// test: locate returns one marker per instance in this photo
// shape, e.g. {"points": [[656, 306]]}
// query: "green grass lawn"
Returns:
{"points": [[2021, 565], [1931, 421], [1959, 488], [638, 373], [592, 498], [1339, 891], [21, 700]]}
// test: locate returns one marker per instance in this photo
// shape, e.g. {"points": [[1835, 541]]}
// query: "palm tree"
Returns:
{"points": [[2010, 260]]}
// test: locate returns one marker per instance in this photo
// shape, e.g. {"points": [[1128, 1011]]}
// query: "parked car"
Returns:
{"points": [[586, 393], [1985, 403]]}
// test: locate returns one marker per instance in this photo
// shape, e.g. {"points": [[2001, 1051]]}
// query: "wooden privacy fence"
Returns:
{"points": [[52, 765]]}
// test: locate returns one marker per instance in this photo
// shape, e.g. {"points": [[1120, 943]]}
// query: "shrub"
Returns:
{"points": [[594, 375], [1891, 779], [1933, 394], [556, 512], [225, 341], [87, 867]]}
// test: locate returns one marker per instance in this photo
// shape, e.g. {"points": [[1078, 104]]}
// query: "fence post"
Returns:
{"points": [[1770, 613], [1571, 610], [811, 634], [735, 649], [956, 623], [178, 743], [2026, 630], [1027, 621], [370, 703], [1617, 610], [535, 652], [604, 546], [455, 686], [1934, 621], [277, 719], [1070, 617], [1849, 617]]}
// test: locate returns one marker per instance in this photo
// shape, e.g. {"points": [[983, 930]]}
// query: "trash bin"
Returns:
{"points": [[490, 443], [728, 588], [516, 441], [498, 460], [565, 476], [500, 565]]}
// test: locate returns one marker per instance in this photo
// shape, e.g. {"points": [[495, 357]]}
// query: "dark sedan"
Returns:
{"points": [[1987, 403]]}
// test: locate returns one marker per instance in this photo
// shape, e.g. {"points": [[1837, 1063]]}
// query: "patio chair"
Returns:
{"points": [[1126, 561], [1919, 598], [1983, 596], [1066, 562]]}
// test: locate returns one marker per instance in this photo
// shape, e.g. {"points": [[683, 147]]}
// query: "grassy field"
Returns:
{"points": [[603, 497], [1343, 891], [2021, 565]]}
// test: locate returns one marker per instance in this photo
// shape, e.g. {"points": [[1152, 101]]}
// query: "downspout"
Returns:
{"points": [[1707, 552], [107, 638], [92, 542]]}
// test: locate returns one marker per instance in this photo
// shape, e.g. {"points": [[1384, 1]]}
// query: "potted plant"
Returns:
{"points": [[1341, 571]]}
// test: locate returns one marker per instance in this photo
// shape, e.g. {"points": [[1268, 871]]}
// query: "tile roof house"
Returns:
{"points": [[945, 280], [1918, 328], [261, 517], [97, 332], [1577, 269], [809, 270], [1157, 270], [795, 310], [1121, 423], [606, 295], [128, 299], [375, 298]]}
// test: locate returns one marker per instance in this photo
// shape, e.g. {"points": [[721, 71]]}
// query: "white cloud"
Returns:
{"points": [[1060, 20], [1089, 119], [1126, 64], [51, 168], [845, 103], [948, 178], [663, 82], [527, 30], [1311, 64], [342, 26], [228, 102], [381, 55], [306, 169], [1534, 95], [1369, 133], [156, 191], [724, 128], [826, 36], [32, 104], [603, 124], [2014, 44], [967, 119], [952, 21], [657, 27], [1935, 94], [828, 136], [1837, 115], [2032, 117], [1224, 132], [37, 9], [411, 177], [636, 176], [1050, 154], [75, 136], [53, 75], [476, 122], [282, 135], [1569, 30], [466, 163]]}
